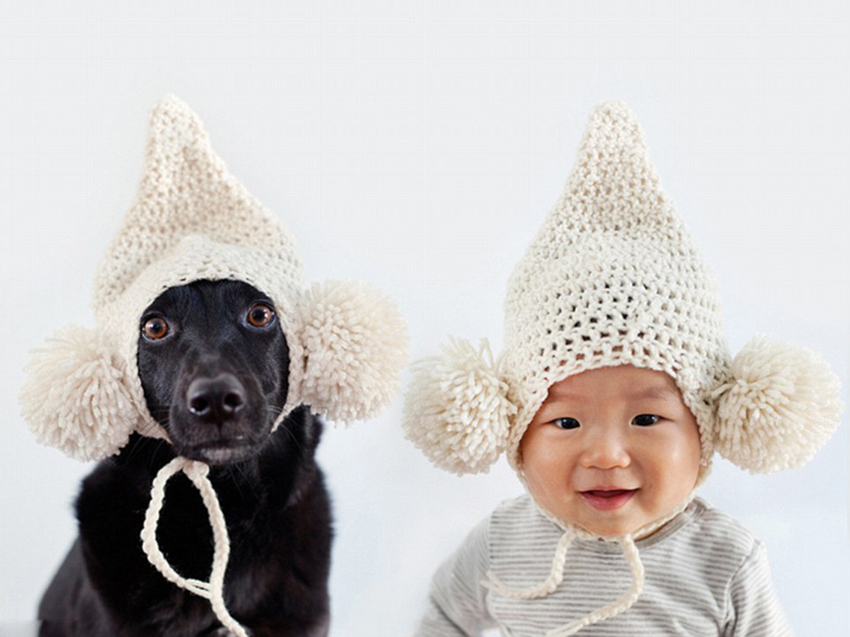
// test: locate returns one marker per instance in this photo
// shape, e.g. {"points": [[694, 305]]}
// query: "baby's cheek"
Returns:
{"points": [[680, 469], [538, 475]]}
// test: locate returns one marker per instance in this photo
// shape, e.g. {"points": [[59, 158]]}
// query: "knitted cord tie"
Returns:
{"points": [[214, 589], [556, 576], [620, 605], [547, 587]]}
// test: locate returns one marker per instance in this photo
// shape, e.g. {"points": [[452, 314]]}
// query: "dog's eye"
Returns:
{"points": [[155, 328], [260, 315]]}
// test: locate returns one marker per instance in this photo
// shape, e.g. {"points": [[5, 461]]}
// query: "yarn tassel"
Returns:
{"points": [[213, 590]]}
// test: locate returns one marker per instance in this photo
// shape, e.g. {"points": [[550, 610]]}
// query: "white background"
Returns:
{"points": [[418, 146]]}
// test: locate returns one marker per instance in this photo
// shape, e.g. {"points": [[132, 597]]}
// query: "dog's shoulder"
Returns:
{"points": [[122, 482]]}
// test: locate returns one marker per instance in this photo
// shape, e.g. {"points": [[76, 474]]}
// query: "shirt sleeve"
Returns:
{"points": [[457, 603], [753, 608]]}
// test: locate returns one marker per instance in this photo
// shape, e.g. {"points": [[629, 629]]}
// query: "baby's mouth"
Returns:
{"points": [[607, 499]]}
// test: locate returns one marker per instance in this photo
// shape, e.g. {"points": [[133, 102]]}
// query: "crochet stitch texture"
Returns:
{"points": [[193, 220], [612, 278]]}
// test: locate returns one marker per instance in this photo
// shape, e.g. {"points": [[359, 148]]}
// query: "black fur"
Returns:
{"points": [[270, 489]]}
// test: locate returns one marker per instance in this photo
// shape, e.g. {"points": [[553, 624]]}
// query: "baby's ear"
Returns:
{"points": [[779, 407], [354, 346], [76, 397], [457, 411]]}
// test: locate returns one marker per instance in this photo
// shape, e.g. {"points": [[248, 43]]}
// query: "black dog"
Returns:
{"points": [[213, 364]]}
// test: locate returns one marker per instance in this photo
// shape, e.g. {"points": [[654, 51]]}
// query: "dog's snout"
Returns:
{"points": [[215, 399]]}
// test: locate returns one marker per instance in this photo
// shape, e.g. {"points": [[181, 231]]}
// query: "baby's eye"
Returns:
{"points": [[645, 420], [567, 423]]}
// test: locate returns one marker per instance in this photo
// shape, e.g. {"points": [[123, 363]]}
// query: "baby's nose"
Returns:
{"points": [[605, 450]]}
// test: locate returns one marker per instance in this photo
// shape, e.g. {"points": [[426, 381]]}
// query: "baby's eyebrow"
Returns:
{"points": [[656, 391], [665, 392]]}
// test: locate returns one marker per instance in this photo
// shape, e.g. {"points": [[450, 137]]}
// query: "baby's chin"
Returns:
{"points": [[608, 527], [612, 531], [629, 520]]}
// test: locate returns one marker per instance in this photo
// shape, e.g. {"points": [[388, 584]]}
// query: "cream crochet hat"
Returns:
{"points": [[193, 220], [613, 278]]}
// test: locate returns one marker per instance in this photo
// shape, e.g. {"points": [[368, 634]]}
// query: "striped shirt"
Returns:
{"points": [[705, 575]]}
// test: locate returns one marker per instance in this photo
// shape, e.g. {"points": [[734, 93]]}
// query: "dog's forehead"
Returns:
{"points": [[199, 295]]}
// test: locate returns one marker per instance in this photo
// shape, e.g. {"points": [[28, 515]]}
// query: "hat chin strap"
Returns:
{"points": [[623, 603], [213, 590], [556, 575]]}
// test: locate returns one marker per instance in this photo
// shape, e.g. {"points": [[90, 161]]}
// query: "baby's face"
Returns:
{"points": [[612, 449]]}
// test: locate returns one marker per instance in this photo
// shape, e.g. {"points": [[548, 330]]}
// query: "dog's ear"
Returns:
{"points": [[355, 345], [76, 397]]}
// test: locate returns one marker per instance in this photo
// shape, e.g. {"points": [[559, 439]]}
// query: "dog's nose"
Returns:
{"points": [[215, 399]]}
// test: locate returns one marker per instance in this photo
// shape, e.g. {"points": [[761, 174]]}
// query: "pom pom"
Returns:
{"points": [[780, 406], [456, 410], [355, 345], [75, 397]]}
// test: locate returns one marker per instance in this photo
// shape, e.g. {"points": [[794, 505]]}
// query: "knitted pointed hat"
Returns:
{"points": [[613, 278], [193, 220]]}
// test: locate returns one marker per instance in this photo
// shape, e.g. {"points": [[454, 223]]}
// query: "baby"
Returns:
{"points": [[614, 390]]}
